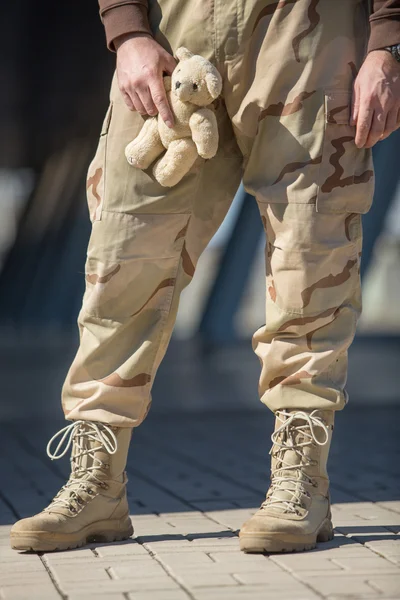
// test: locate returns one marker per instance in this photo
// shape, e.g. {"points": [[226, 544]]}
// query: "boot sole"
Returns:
{"points": [[46, 541], [261, 543]]}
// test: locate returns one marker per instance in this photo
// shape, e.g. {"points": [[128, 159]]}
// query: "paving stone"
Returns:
{"points": [[305, 562], [191, 558], [182, 544], [18, 567], [21, 592], [195, 579], [81, 553], [120, 585], [228, 568], [357, 597], [149, 568], [276, 580], [121, 548], [346, 585], [255, 592], [85, 573], [389, 584], [391, 505], [193, 548], [350, 550], [234, 520], [373, 564], [249, 559], [228, 539], [85, 596], [7, 552], [157, 595], [9, 578]]}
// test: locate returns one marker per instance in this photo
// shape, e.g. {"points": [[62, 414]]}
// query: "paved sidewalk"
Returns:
{"points": [[193, 480]]}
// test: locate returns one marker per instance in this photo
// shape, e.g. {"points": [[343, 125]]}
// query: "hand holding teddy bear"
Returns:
{"points": [[194, 85]]}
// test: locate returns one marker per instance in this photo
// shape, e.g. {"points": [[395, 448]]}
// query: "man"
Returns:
{"points": [[309, 87]]}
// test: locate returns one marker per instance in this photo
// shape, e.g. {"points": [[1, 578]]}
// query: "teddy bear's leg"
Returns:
{"points": [[145, 148], [176, 162]]}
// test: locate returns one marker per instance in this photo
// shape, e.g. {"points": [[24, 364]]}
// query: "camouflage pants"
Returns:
{"points": [[288, 69]]}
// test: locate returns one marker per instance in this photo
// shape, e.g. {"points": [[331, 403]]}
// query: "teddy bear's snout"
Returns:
{"points": [[183, 90]]}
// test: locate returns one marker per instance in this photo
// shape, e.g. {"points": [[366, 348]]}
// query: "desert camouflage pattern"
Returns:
{"points": [[288, 68]]}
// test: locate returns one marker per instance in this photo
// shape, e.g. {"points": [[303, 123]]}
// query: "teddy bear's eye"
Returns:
{"points": [[195, 86]]}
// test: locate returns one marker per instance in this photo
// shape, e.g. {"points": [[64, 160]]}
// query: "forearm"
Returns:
{"points": [[124, 17]]}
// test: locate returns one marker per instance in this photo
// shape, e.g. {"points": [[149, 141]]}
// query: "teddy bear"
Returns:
{"points": [[195, 83]]}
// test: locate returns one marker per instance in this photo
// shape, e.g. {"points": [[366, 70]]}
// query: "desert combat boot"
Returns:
{"points": [[296, 512], [92, 505]]}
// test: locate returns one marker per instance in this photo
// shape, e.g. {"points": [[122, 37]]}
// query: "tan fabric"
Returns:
{"points": [[287, 77], [130, 16]]}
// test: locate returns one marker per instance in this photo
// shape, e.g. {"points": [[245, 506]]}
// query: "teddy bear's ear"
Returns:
{"points": [[183, 53], [214, 84]]}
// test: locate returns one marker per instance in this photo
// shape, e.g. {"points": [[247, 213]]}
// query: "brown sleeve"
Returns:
{"points": [[385, 24], [123, 16]]}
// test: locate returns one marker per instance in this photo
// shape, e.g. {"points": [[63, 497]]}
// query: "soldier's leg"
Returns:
{"points": [[291, 115], [143, 251], [145, 243]]}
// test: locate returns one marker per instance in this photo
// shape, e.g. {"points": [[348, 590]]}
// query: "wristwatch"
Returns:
{"points": [[394, 51]]}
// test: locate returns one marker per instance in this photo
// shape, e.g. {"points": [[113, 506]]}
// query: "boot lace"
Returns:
{"points": [[287, 476], [80, 434]]}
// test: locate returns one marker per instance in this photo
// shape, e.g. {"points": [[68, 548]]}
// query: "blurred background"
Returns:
{"points": [[55, 74]]}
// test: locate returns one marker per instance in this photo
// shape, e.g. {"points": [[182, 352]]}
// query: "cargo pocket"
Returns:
{"points": [[95, 183], [346, 179]]}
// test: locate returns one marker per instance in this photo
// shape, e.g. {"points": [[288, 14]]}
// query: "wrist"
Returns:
{"points": [[393, 51], [129, 36], [386, 55]]}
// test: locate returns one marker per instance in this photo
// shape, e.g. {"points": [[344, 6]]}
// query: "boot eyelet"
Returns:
{"points": [[90, 492], [72, 509]]}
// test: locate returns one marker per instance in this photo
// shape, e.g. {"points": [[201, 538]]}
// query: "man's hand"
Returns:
{"points": [[376, 99], [141, 63]]}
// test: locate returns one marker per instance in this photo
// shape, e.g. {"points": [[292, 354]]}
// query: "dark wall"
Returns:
{"points": [[55, 74]]}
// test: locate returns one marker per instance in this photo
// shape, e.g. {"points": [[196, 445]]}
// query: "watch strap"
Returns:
{"points": [[394, 51]]}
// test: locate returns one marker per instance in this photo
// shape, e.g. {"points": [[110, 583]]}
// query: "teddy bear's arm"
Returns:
{"points": [[203, 125]]}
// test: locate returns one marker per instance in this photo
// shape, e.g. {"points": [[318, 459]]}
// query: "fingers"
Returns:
{"points": [[160, 100], [133, 102], [391, 124], [169, 63], [149, 98], [376, 102], [377, 128], [363, 126], [146, 99], [128, 101], [354, 106], [138, 104], [141, 62]]}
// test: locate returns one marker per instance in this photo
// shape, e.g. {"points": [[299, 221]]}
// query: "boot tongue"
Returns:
{"points": [[87, 457], [283, 459]]}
